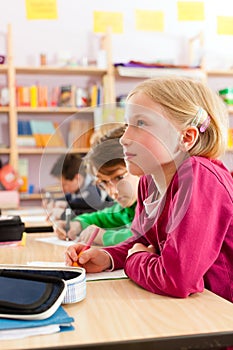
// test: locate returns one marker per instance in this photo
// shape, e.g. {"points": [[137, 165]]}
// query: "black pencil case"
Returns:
{"points": [[11, 228], [31, 293]]}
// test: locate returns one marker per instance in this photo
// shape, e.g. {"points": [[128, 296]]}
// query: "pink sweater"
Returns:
{"points": [[192, 233]]}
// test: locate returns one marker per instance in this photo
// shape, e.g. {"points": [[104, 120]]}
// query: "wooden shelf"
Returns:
{"points": [[4, 151], [48, 150], [53, 70], [3, 68], [4, 109], [56, 110], [220, 73], [141, 72], [30, 196]]}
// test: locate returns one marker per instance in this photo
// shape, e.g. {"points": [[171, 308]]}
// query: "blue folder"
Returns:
{"points": [[60, 317]]}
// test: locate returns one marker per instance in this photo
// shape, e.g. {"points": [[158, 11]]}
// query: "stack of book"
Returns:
{"points": [[61, 96], [39, 133], [14, 328]]}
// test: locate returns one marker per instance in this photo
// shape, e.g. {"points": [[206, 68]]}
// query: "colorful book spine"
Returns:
{"points": [[33, 96]]}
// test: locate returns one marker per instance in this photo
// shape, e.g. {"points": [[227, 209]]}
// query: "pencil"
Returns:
{"points": [[88, 245], [90, 240], [68, 217]]}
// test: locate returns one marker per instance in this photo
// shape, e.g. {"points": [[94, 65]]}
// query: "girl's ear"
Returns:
{"points": [[188, 138]]}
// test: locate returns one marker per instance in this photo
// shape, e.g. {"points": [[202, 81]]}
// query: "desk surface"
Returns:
{"points": [[119, 314], [34, 218]]}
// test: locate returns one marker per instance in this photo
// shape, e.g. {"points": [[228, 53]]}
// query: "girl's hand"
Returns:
{"points": [[138, 247], [93, 259], [59, 229], [86, 234]]}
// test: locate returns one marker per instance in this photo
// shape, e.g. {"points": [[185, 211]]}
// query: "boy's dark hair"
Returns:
{"points": [[68, 166], [107, 152]]}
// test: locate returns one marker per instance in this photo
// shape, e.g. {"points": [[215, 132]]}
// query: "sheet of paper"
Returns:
{"points": [[28, 332], [152, 21], [55, 240], [42, 9], [36, 218], [191, 11], [103, 19], [105, 275], [27, 212]]}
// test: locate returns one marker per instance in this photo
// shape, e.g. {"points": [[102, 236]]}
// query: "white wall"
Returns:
{"points": [[73, 29]]}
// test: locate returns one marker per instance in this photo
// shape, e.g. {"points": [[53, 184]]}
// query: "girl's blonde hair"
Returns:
{"points": [[181, 98]]}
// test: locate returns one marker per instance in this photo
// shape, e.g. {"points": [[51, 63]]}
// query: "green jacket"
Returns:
{"points": [[115, 220]]}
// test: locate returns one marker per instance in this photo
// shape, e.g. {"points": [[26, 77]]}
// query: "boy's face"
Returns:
{"points": [[119, 184], [72, 186]]}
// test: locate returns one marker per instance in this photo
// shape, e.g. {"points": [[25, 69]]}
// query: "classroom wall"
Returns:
{"points": [[73, 28]]}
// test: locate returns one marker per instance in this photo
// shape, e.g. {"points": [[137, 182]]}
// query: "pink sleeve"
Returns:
{"points": [[194, 238], [119, 252]]}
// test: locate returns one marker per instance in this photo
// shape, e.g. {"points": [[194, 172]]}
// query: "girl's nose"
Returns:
{"points": [[124, 140]]}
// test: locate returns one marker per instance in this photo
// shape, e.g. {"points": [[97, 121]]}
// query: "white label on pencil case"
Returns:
{"points": [[76, 285]]}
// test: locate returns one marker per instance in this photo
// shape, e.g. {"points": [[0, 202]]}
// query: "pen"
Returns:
{"points": [[88, 245], [68, 217]]}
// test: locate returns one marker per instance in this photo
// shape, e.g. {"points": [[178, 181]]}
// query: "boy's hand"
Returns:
{"points": [[93, 259], [86, 234], [55, 214], [59, 229]]}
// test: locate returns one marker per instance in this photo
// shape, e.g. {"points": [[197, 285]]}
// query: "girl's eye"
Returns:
{"points": [[140, 122]]}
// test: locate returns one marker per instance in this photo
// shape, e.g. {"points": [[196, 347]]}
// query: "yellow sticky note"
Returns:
{"points": [[149, 20], [190, 11], [103, 20], [225, 25], [43, 9]]}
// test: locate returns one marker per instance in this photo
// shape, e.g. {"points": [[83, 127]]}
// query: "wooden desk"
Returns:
{"points": [[118, 314], [33, 213]]}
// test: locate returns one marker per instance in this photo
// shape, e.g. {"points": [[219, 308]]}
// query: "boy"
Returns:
{"points": [[106, 162], [81, 195]]}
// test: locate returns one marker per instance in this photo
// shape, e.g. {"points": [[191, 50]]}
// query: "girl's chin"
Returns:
{"points": [[133, 169]]}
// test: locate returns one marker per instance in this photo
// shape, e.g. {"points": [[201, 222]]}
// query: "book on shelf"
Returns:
{"points": [[25, 137], [23, 96], [4, 96], [57, 139], [47, 134], [23, 170], [66, 96], [42, 92], [39, 133], [32, 96], [96, 95]]}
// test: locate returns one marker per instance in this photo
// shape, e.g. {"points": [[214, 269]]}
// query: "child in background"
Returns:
{"points": [[106, 162], [182, 231], [81, 195]]}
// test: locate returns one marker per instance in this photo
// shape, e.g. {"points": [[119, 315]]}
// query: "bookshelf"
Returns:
{"points": [[105, 76], [14, 112]]}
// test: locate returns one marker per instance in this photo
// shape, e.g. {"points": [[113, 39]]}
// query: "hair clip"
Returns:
{"points": [[201, 115], [205, 124]]}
